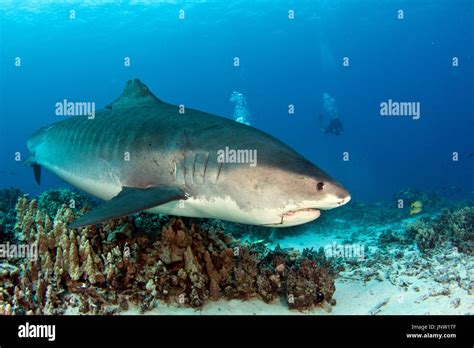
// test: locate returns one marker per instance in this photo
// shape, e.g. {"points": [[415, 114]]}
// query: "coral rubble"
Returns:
{"points": [[432, 256], [139, 260]]}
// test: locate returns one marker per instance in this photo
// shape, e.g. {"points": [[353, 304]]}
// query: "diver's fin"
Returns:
{"points": [[128, 201], [135, 93]]}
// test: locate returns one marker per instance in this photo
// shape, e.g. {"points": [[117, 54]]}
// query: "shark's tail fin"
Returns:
{"points": [[36, 169]]}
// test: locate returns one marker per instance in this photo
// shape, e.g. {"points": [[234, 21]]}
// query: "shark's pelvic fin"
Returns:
{"points": [[135, 93], [36, 168], [37, 172], [128, 201]]}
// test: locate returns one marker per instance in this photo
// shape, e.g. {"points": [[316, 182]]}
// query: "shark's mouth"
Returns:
{"points": [[294, 213], [297, 217]]}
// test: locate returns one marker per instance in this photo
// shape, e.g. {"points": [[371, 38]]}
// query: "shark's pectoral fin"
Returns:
{"points": [[128, 201]]}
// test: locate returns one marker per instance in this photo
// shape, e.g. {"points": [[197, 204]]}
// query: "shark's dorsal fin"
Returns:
{"points": [[135, 93]]}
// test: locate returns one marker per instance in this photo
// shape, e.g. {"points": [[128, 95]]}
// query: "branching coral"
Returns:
{"points": [[104, 270]]}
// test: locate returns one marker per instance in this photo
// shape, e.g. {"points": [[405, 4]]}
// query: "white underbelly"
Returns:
{"points": [[219, 208], [103, 188]]}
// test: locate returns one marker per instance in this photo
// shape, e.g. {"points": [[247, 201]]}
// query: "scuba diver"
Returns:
{"points": [[330, 109], [334, 127]]}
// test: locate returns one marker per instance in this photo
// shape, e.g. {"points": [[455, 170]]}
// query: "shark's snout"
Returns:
{"points": [[339, 191], [345, 200], [333, 196]]}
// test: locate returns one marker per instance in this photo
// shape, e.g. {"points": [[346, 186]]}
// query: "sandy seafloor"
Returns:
{"points": [[395, 289]]}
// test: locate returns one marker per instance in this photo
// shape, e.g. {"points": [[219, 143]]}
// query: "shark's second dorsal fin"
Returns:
{"points": [[135, 93]]}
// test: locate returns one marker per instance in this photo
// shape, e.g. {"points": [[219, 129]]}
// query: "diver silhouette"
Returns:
{"points": [[335, 127]]}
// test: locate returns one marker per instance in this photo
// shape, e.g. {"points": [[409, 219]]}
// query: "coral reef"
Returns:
{"points": [[454, 228], [8, 199], [139, 260], [389, 236], [52, 200]]}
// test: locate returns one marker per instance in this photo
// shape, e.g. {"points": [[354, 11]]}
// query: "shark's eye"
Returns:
{"points": [[320, 186]]}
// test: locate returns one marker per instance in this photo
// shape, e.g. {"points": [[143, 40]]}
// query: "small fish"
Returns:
{"points": [[416, 207]]}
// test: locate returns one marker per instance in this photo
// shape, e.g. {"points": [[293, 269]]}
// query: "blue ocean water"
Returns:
{"points": [[283, 61]]}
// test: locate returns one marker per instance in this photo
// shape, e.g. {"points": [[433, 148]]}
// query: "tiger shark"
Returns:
{"points": [[142, 154]]}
